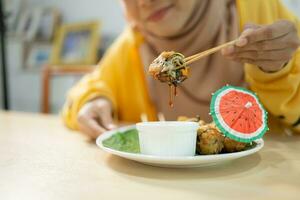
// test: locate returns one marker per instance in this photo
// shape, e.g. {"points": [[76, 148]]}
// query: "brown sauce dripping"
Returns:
{"points": [[172, 94]]}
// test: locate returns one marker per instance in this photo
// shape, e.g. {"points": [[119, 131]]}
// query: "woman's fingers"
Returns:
{"points": [[277, 44], [270, 32], [286, 41], [268, 46], [241, 41], [105, 117], [269, 60], [269, 65], [248, 30], [95, 117], [280, 35], [90, 126], [276, 55], [251, 26]]}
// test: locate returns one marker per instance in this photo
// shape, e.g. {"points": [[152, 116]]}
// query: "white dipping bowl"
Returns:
{"points": [[170, 138]]}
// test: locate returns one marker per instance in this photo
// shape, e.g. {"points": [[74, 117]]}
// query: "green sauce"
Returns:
{"points": [[127, 141]]}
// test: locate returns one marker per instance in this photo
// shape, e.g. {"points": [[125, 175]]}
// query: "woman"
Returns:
{"points": [[266, 58]]}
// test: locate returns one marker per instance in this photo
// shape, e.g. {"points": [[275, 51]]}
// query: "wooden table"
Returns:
{"points": [[41, 159]]}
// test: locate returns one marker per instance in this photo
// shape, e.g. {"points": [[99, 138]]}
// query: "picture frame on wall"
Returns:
{"points": [[38, 23], [29, 23], [76, 44], [12, 10], [48, 23], [38, 56]]}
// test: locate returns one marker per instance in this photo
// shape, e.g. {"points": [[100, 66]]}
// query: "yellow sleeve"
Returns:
{"points": [[102, 82], [280, 91]]}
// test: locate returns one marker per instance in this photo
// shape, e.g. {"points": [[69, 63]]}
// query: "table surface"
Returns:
{"points": [[41, 159]]}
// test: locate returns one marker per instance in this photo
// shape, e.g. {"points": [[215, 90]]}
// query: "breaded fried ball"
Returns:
{"points": [[233, 146], [201, 123], [209, 140]]}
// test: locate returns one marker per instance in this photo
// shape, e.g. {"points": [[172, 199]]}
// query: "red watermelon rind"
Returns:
{"points": [[228, 133]]}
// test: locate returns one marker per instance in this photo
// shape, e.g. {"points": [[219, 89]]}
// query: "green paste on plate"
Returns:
{"points": [[127, 141]]}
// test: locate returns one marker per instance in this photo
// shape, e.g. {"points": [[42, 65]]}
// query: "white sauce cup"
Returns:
{"points": [[169, 138]]}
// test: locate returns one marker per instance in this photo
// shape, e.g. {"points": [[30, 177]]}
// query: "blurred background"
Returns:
{"points": [[50, 44]]}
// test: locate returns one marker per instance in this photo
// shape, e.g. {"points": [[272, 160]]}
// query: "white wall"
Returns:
{"points": [[23, 86]]}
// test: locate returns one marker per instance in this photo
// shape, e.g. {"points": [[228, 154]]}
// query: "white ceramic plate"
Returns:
{"points": [[176, 162]]}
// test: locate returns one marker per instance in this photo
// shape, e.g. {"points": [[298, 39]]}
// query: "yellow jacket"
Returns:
{"points": [[120, 77]]}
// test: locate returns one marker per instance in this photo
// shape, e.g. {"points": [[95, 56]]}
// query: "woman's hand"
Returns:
{"points": [[268, 46], [95, 117]]}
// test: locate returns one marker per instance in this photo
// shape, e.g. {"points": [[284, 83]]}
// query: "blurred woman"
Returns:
{"points": [[266, 58]]}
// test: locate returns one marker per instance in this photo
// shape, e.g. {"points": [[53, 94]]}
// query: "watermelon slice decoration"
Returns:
{"points": [[238, 113]]}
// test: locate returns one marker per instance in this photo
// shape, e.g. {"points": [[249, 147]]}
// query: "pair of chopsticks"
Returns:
{"points": [[160, 117], [195, 57]]}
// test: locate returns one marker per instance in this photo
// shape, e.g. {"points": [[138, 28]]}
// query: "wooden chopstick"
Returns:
{"points": [[144, 117], [195, 57], [160, 116]]}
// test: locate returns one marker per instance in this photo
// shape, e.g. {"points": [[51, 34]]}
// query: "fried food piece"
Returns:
{"points": [[169, 67], [209, 139], [202, 123], [194, 119], [182, 118], [233, 146]]}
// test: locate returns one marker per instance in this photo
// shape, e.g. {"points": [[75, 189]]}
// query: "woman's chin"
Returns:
{"points": [[164, 31]]}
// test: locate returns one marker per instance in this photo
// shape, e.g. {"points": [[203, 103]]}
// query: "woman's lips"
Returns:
{"points": [[159, 14]]}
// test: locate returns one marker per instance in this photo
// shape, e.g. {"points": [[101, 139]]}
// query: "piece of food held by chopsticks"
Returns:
{"points": [[169, 67], [172, 67]]}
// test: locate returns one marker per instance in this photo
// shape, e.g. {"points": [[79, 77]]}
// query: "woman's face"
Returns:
{"points": [[163, 18]]}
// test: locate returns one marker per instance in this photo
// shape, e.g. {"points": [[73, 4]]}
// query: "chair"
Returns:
{"points": [[50, 71]]}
